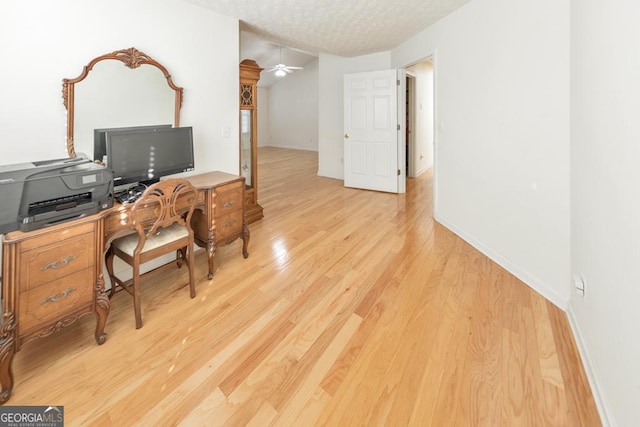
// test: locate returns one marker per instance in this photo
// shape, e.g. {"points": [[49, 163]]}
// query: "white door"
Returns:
{"points": [[372, 132]]}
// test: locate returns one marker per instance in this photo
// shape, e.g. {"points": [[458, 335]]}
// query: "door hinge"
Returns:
{"points": [[398, 127], [397, 82], [398, 172]]}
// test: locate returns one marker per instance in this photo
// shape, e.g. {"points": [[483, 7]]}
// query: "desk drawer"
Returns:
{"points": [[117, 221], [55, 260], [228, 198], [228, 225], [200, 198], [57, 299], [47, 236]]}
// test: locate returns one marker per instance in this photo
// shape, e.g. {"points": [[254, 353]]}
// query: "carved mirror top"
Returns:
{"points": [[115, 96]]}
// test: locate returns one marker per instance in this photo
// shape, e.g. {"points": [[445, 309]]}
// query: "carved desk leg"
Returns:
{"points": [[211, 235], [102, 310], [7, 351], [245, 238], [211, 252]]}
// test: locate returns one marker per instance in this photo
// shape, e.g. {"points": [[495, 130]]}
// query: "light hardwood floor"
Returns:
{"points": [[353, 308]]}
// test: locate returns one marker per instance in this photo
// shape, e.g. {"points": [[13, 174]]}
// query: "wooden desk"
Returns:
{"points": [[219, 218], [52, 276]]}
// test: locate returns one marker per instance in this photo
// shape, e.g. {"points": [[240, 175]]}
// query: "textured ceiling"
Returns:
{"points": [[268, 54], [338, 27]]}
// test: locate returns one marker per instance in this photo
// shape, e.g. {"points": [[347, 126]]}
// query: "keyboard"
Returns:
{"points": [[128, 196]]}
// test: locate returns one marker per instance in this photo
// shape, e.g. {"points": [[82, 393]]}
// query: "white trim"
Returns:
{"points": [[325, 174], [432, 55], [401, 135], [290, 147], [530, 280], [411, 144], [436, 132], [606, 415], [421, 171]]}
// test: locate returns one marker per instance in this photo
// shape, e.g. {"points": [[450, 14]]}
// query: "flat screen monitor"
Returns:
{"points": [[100, 141], [144, 155]]}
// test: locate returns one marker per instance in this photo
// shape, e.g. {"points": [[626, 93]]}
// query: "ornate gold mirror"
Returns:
{"points": [[140, 93]]}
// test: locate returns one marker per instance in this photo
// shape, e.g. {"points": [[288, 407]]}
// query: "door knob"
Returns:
{"points": [[346, 135]]}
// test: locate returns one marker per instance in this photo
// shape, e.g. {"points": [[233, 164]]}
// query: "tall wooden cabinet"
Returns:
{"points": [[249, 76]]}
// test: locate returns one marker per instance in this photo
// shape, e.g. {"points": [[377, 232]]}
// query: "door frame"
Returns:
{"points": [[401, 106], [411, 117], [437, 126], [377, 127]]}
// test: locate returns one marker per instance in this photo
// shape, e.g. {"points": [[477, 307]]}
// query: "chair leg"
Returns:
{"points": [[191, 265], [136, 295], [180, 257]]}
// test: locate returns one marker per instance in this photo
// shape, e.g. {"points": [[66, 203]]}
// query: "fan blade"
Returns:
{"points": [[276, 67], [285, 68]]}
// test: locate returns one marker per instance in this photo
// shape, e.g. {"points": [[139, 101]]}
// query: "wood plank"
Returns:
{"points": [[353, 308]]}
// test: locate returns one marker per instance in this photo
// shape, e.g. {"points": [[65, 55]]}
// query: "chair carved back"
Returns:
{"points": [[161, 205]]}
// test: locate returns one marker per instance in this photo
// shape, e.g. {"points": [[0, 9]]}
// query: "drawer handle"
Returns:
{"points": [[229, 204], [229, 223], [53, 265], [56, 298]]}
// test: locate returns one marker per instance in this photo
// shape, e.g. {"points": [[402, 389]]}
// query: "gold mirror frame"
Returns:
{"points": [[131, 58]]}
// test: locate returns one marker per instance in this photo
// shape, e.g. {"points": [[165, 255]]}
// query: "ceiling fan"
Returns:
{"points": [[282, 70]]}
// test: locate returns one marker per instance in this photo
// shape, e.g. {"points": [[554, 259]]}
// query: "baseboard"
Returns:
{"points": [[530, 280], [290, 147], [329, 175], [603, 408], [562, 303], [123, 271], [421, 171]]}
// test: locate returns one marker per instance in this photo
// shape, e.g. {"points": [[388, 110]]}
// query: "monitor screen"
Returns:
{"points": [[100, 141], [145, 155]]}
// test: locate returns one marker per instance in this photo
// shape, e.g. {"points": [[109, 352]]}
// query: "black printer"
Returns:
{"points": [[39, 194]]}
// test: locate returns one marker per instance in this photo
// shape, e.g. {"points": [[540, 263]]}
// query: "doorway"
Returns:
{"points": [[420, 122]]}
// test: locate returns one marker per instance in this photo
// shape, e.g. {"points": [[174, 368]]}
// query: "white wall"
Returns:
{"points": [[293, 110], [264, 125], [605, 202], [502, 133], [44, 42], [422, 157], [331, 105]]}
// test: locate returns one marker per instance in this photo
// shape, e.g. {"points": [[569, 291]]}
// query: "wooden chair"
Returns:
{"points": [[162, 218]]}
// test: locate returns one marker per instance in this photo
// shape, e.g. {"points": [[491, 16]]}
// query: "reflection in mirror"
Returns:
{"points": [[142, 98], [245, 145], [125, 88]]}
